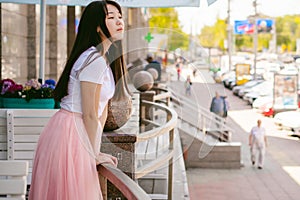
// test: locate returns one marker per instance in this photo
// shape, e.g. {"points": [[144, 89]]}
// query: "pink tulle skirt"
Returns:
{"points": [[63, 168]]}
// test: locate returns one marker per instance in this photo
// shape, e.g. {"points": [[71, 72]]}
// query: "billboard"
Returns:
{"points": [[242, 73], [285, 91], [245, 27]]}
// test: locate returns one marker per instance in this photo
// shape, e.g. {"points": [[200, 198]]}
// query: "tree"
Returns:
{"points": [[214, 36], [165, 21]]}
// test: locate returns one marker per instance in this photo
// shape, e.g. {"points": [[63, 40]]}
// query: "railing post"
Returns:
{"points": [[203, 121], [170, 171], [145, 112], [103, 185], [168, 101]]}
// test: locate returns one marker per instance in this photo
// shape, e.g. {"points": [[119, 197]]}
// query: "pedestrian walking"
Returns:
{"points": [[68, 149], [178, 69], [226, 106], [188, 85], [258, 143], [217, 105]]}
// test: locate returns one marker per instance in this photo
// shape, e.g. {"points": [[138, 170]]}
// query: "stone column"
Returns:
{"points": [[70, 29], [52, 45], [31, 43], [121, 144]]}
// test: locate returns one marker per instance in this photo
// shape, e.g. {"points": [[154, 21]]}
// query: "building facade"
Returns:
{"points": [[20, 39]]}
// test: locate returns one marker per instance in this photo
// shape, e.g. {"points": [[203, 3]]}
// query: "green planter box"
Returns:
{"points": [[33, 103]]}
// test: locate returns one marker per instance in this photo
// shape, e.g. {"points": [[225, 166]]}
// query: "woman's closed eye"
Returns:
{"points": [[112, 17]]}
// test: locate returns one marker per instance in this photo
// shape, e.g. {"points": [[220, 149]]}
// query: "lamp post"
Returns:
{"points": [[229, 36], [255, 37]]}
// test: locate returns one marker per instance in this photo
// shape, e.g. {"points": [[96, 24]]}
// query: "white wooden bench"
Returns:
{"points": [[19, 133], [13, 179], [3, 135]]}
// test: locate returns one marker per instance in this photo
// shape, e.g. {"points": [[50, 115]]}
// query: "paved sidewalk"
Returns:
{"points": [[278, 180]]}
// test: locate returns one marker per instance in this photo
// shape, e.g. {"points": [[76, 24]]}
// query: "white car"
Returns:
{"points": [[260, 101], [263, 89], [288, 119]]}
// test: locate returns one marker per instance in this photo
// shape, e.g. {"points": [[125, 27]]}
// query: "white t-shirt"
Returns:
{"points": [[96, 72], [258, 134]]}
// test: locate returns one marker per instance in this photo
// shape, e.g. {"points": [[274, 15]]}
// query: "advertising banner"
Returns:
{"points": [[242, 73], [245, 27], [285, 91]]}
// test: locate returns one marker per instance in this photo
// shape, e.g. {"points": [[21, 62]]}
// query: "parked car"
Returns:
{"points": [[261, 101], [236, 89], [246, 90], [227, 78], [288, 119], [267, 109]]}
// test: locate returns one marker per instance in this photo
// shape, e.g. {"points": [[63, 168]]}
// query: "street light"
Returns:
{"points": [[229, 43], [255, 36]]}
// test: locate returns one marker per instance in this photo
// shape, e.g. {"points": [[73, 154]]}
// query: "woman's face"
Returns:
{"points": [[114, 23]]}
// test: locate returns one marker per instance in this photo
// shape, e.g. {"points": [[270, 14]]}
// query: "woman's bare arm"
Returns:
{"points": [[90, 95]]}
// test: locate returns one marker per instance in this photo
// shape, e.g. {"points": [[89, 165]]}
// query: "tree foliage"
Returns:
{"points": [[165, 21], [214, 36]]}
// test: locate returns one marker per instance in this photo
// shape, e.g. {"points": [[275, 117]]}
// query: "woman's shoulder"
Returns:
{"points": [[91, 56]]}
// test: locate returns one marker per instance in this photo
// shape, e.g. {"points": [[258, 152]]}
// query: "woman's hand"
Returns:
{"points": [[106, 158]]}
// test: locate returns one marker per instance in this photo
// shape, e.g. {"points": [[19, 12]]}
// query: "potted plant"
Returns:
{"points": [[30, 95]]}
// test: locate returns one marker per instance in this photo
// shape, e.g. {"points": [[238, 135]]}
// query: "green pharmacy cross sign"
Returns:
{"points": [[149, 37]]}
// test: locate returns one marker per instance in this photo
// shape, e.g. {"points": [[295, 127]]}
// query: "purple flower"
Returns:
{"points": [[6, 84], [50, 82], [15, 88], [32, 89], [33, 83], [7, 81]]}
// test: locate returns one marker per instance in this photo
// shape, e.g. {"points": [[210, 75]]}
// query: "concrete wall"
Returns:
{"points": [[222, 155], [20, 39]]}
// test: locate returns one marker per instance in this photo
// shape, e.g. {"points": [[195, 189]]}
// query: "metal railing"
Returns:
{"points": [[201, 118], [156, 130]]}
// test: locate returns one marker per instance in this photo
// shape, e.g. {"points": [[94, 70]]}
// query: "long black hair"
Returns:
{"points": [[93, 16]]}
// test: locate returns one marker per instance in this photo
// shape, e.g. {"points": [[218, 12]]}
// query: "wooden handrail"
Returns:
{"points": [[162, 129], [162, 96], [129, 188], [159, 89]]}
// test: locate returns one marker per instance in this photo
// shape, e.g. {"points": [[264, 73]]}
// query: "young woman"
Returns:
{"points": [[69, 147]]}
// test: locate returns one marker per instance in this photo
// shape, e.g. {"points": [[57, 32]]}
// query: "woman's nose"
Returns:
{"points": [[119, 21]]}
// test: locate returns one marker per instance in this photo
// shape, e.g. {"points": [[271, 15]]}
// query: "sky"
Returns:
{"points": [[195, 18]]}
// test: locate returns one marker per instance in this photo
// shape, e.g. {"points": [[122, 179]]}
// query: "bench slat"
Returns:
{"points": [[29, 121], [27, 138], [30, 130], [25, 146], [13, 186], [13, 168]]}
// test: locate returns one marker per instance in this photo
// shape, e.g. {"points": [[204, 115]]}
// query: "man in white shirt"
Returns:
{"points": [[258, 143]]}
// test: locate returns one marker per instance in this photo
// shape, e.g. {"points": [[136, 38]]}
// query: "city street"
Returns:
{"points": [[280, 177]]}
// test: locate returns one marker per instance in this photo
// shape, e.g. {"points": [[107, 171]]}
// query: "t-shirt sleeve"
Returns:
{"points": [[94, 72]]}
